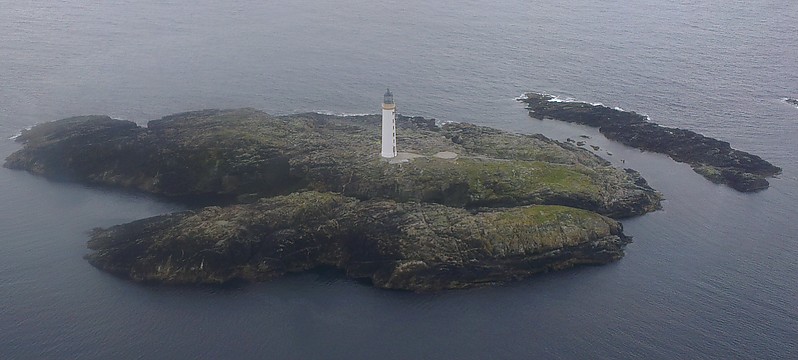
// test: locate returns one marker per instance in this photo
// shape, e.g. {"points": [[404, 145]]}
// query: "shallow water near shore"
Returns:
{"points": [[712, 275]]}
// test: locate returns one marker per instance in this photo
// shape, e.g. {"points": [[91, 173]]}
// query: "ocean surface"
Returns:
{"points": [[714, 275]]}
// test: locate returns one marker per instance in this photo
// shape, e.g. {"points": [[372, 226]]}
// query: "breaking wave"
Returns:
{"points": [[569, 99], [331, 113], [17, 135]]}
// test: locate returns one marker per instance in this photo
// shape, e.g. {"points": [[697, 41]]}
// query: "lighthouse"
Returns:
{"points": [[388, 126]]}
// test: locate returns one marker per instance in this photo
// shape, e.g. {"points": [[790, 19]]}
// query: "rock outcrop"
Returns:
{"points": [[409, 246], [247, 154], [792, 101], [470, 205], [713, 159]]}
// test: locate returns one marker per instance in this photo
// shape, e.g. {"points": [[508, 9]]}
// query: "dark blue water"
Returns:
{"points": [[712, 276]]}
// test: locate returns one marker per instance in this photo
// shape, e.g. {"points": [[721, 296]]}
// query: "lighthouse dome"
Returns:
{"points": [[388, 97]]}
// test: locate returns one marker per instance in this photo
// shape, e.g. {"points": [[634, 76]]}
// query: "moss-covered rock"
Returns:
{"points": [[411, 246]]}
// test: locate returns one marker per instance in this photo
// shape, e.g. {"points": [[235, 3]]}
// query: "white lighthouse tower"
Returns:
{"points": [[388, 126]]}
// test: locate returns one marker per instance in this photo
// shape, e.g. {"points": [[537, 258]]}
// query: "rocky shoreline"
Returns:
{"points": [[713, 159], [311, 190]]}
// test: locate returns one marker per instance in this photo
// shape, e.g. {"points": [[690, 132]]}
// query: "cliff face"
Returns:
{"points": [[247, 154], [712, 158], [313, 191], [410, 246]]}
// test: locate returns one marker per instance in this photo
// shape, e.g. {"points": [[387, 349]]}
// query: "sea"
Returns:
{"points": [[713, 275]]}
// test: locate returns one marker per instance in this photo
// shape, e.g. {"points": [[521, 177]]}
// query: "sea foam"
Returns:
{"points": [[568, 99], [331, 113], [17, 135], [555, 98]]}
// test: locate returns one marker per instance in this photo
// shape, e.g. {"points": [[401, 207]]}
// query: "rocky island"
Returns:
{"points": [[713, 159], [463, 205], [792, 101]]}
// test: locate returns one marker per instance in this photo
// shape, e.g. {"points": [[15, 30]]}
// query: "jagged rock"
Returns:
{"points": [[410, 246], [714, 159], [792, 101]]}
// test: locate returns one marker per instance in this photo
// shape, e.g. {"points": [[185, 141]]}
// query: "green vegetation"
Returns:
{"points": [[551, 226]]}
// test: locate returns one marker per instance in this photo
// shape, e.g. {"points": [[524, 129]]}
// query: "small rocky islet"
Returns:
{"points": [[298, 192], [714, 159]]}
